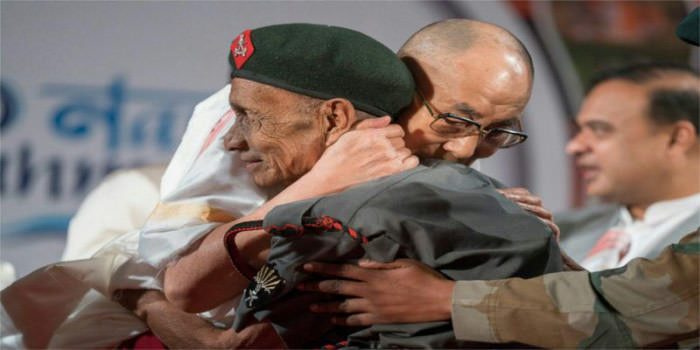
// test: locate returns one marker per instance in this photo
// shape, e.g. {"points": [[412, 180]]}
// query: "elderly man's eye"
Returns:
{"points": [[254, 121], [238, 110], [454, 123]]}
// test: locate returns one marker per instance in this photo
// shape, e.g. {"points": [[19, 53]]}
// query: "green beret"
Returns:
{"points": [[324, 62], [689, 28]]}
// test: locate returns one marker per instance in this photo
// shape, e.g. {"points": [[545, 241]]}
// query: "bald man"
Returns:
{"points": [[472, 69], [457, 74], [452, 119]]}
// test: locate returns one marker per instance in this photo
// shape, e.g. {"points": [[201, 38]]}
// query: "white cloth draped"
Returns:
{"points": [[67, 305]]}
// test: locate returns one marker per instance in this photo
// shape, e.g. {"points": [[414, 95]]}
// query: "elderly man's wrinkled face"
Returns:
{"points": [[485, 84], [277, 139]]}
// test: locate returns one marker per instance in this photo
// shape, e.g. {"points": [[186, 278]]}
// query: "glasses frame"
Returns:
{"points": [[480, 128]]}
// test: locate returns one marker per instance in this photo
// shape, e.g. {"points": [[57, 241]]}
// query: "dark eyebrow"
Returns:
{"points": [[600, 124], [468, 111]]}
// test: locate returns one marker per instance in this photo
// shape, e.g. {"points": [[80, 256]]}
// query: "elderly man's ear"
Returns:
{"points": [[338, 117]]}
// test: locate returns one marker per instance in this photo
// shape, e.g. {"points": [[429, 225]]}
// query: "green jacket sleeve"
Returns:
{"points": [[646, 302]]}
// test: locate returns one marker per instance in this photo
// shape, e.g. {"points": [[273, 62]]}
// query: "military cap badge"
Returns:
{"points": [[242, 48], [266, 284]]}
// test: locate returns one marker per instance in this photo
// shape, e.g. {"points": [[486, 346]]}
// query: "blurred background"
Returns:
{"points": [[90, 87]]}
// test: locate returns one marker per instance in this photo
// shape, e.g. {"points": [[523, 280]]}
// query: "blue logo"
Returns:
{"points": [[86, 108], [8, 110]]}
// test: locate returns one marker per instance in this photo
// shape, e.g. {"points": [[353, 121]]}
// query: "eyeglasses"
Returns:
{"points": [[455, 126]]}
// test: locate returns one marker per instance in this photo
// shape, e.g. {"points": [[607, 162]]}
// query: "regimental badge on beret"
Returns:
{"points": [[242, 49], [266, 284]]}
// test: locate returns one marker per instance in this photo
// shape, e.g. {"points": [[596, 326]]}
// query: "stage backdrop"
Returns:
{"points": [[89, 87]]}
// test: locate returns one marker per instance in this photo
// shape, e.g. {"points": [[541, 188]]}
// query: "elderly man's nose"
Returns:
{"points": [[234, 139], [462, 147]]}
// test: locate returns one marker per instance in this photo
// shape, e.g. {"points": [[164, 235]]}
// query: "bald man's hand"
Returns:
{"points": [[533, 204], [374, 148], [403, 291]]}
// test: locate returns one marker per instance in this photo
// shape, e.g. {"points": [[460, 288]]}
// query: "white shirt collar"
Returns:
{"points": [[663, 209]]}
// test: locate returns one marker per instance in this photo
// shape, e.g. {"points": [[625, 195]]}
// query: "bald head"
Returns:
{"points": [[470, 69], [451, 37]]}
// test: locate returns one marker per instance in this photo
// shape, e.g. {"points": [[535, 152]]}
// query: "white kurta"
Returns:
{"points": [[664, 223]]}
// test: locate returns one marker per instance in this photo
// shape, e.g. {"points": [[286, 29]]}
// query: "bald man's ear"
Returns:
{"points": [[338, 117], [684, 137]]}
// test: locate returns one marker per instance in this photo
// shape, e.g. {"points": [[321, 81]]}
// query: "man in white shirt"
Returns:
{"points": [[637, 149]]}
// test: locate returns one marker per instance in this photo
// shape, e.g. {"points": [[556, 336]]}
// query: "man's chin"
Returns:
{"points": [[465, 161], [265, 184], [263, 179], [450, 158], [269, 183], [601, 192]]}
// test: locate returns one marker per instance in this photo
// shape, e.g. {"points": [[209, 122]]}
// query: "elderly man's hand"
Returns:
{"points": [[181, 330], [373, 149], [138, 300], [255, 336], [399, 292], [533, 204]]}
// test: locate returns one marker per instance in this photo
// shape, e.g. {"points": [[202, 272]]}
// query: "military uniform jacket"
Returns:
{"points": [[646, 303], [446, 215]]}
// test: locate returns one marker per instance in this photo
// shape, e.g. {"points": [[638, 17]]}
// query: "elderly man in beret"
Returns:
{"points": [[445, 214]]}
